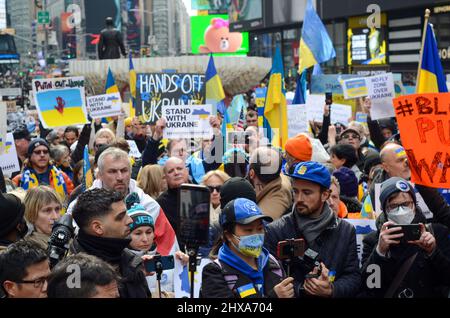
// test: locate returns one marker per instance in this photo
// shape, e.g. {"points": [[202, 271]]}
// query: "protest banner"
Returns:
{"points": [[155, 90], [362, 228], [11, 106], [60, 101], [102, 106], [424, 127], [361, 118], [8, 159], [134, 150], [331, 83], [187, 121], [260, 101], [339, 113], [381, 92], [297, 119], [3, 125], [181, 279], [354, 88]]}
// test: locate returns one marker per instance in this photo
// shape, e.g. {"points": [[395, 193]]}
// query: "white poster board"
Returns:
{"points": [[354, 88], [187, 121], [362, 228], [314, 109], [181, 279], [8, 159], [102, 106], [134, 150], [381, 92], [297, 119]]}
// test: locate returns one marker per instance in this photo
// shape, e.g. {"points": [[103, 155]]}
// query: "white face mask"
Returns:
{"points": [[401, 215]]}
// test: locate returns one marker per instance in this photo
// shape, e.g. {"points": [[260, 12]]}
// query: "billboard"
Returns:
{"points": [[246, 15], [212, 6], [210, 33]]}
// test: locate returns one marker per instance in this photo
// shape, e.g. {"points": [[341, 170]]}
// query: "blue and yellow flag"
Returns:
{"points": [[246, 290], [132, 84], [275, 108], [430, 78], [111, 86], [315, 45], [214, 89], [88, 178]]}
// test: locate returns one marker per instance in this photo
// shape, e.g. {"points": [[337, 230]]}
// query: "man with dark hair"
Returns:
{"points": [[24, 269], [71, 135], [273, 191], [344, 155], [104, 225], [22, 140], [329, 241], [13, 226], [98, 279], [110, 44], [251, 118]]}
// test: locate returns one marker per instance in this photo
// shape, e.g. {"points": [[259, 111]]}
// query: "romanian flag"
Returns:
{"points": [[132, 84], [111, 86], [88, 178], [246, 290], [315, 45], [430, 78], [275, 109]]}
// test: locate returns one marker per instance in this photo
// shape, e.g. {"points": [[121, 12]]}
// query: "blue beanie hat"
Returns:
{"points": [[347, 181]]}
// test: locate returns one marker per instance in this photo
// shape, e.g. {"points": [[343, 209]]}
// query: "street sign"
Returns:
{"points": [[43, 17]]}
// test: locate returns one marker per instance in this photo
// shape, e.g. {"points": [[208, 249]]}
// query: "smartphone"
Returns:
{"points": [[328, 98], [339, 128], [166, 262], [411, 232], [290, 248], [193, 215]]}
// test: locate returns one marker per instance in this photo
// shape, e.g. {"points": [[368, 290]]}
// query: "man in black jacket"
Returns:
{"points": [[332, 240], [104, 225]]}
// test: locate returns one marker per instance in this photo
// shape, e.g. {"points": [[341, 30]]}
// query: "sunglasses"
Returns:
{"points": [[212, 188], [39, 152]]}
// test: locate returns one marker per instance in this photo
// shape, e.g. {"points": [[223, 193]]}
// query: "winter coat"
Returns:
{"points": [[110, 44], [275, 198]]}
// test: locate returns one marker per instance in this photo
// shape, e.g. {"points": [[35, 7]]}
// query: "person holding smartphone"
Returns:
{"points": [[414, 258], [244, 268]]}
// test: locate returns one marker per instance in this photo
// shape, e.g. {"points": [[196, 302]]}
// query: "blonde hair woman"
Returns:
{"points": [[214, 180], [152, 180], [42, 209]]}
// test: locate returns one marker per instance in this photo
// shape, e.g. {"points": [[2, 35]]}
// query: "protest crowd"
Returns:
{"points": [[333, 210]]}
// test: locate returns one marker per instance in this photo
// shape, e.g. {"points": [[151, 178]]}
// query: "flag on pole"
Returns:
{"points": [[300, 89], [315, 45], [88, 178], [132, 84], [240, 122], [214, 89], [430, 78], [111, 86], [275, 108]]}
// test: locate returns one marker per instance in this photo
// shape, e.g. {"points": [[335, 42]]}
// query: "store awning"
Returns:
{"points": [[238, 74]]}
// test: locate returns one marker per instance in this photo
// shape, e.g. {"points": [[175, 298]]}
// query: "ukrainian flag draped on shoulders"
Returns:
{"points": [[275, 108], [430, 78], [315, 46]]}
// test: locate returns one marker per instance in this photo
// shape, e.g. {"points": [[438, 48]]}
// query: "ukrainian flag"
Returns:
{"points": [[88, 178], [132, 84], [275, 108], [246, 290], [111, 86], [214, 89], [430, 78], [315, 45]]}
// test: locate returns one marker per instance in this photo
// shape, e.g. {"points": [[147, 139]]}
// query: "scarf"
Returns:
{"points": [[312, 228], [227, 256], [108, 249], [29, 180]]}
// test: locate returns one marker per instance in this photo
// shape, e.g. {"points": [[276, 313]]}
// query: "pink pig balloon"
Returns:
{"points": [[219, 39]]}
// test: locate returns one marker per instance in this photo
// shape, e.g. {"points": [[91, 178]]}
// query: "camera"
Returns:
{"points": [[309, 261], [58, 244]]}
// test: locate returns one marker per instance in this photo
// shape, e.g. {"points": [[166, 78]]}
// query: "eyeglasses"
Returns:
{"points": [[212, 188], [353, 136], [395, 206], [39, 152], [37, 283]]}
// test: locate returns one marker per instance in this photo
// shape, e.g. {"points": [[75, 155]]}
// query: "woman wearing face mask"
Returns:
{"points": [[409, 269], [244, 268], [142, 236]]}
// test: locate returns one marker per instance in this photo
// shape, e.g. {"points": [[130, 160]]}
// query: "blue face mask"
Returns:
{"points": [[31, 127], [250, 245]]}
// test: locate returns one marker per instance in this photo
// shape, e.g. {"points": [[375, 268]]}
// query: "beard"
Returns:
{"points": [[305, 210]]}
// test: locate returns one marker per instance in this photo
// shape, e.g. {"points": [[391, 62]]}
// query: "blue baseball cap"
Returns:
{"points": [[241, 211], [311, 171]]}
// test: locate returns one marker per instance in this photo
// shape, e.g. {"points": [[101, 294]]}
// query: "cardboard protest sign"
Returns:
{"points": [[181, 279], [297, 120], [3, 125], [102, 106], [381, 92], [8, 159], [11, 106], [424, 127], [339, 113], [155, 90], [60, 101], [362, 228], [354, 88], [324, 83], [187, 121]]}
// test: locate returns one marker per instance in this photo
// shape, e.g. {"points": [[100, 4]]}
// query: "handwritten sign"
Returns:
{"points": [[425, 130], [8, 159], [134, 150], [187, 121], [156, 90], [11, 106], [381, 92], [102, 106], [297, 120]]}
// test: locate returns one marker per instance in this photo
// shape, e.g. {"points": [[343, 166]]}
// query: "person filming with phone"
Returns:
{"points": [[414, 258], [244, 268]]}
